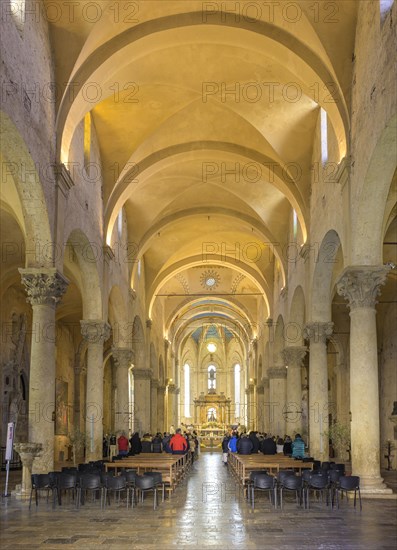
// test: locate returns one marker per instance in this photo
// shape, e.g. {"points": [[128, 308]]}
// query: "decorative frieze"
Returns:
{"points": [[95, 331], [123, 357], [318, 331], [43, 286], [293, 356], [277, 372], [360, 285]]}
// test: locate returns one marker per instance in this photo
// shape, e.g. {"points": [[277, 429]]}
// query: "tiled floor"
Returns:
{"points": [[206, 511]]}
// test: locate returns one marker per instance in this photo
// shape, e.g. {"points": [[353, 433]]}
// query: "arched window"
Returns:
{"points": [[131, 420], [212, 378], [237, 371], [186, 369]]}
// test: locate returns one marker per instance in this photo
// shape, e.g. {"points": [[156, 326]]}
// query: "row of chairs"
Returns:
{"points": [[331, 482], [79, 484]]}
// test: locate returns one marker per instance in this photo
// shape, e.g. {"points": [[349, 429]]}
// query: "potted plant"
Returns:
{"points": [[77, 440], [339, 434]]}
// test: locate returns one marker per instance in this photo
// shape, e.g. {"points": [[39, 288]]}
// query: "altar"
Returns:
{"points": [[212, 419]]}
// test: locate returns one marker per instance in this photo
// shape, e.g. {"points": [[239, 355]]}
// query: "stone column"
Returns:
{"points": [[142, 379], [293, 357], [172, 406], [161, 408], [360, 285], [154, 384], [260, 390], [123, 359], [95, 332], [277, 393], [266, 405], [44, 288], [247, 408], [317, 333], [252, 402]]}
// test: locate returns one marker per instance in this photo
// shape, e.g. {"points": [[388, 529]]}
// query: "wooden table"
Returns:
{"points": [[172, 467]]}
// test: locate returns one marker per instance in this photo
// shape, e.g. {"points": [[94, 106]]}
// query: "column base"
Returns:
{"points": [[374, 487], [20, 494]]}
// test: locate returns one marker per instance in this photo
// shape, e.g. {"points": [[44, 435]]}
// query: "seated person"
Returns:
{"points": [[268, 445], [178, 443], [298, 447], [244, 445], [287, 449], [123, 445]]}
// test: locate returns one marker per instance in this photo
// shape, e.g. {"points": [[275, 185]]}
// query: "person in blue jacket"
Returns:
{"points": [[232, 445], [298, 447]]}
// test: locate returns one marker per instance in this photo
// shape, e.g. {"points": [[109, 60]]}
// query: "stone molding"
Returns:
{"points": [[108, 254], [277, 372], [95, 331], [318, 331], [64, 179], [360, 285], [293, 356], [123, 357], [142, 374], [43, 286]]}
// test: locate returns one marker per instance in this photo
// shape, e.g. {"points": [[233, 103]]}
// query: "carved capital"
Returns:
{"points": [[43, 286], [149, 323], [318, 331], [142, 374], [294, 355], [123, 357], [360, 285], [260, 390], [95, 331], [277, 372]]}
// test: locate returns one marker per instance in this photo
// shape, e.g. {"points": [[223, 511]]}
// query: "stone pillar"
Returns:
{"points": [[161, 408], [277, 393], [317, 333], [44, 288], [154, 384], [360, 285], [260, 391], [142, 379], [123, 359], [247, 408], [293, 357], [266, 405], [95, 332], [172, 406], [252, 404]]}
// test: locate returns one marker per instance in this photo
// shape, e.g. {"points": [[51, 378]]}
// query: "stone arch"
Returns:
{"points": [[153, 360], [138, 343], [79, 250], [367, 232], [328, 262], [29, 201], [296, 323], [161, 371], [118, 318], [279, 343]]}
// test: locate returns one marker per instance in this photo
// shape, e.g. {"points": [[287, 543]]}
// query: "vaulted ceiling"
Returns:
{"points": [[205, 122]]}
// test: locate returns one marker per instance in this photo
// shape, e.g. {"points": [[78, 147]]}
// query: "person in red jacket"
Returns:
{"points": [[178, 443], [123, 445]]}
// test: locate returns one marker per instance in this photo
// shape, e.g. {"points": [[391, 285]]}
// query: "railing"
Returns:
{"points": [[15, 463]]}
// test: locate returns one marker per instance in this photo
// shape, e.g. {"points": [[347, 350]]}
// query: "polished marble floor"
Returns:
{"points": [[206, 511]]}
